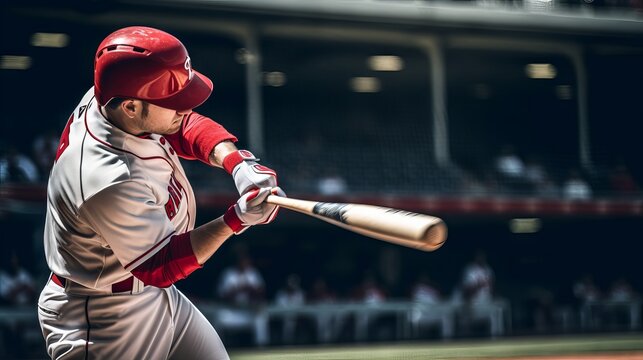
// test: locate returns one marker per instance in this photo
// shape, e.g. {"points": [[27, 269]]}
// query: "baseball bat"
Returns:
{"points": [[418, 231]]}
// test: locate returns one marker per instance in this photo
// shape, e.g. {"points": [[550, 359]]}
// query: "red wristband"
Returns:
{"points": [[232, 220], [235, 158]]}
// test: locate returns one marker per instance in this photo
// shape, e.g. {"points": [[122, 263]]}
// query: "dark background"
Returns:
{"points": [[381, 143]]}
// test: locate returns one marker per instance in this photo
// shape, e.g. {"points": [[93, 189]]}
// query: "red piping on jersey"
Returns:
{"points": [[187, 198], [148, 251], [119, 149]]}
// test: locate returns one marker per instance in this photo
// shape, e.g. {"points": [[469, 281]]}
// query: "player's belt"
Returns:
{"points": [[126, 285]]}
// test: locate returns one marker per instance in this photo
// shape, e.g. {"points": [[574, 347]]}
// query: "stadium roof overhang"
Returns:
{"points": [[432, 14]]}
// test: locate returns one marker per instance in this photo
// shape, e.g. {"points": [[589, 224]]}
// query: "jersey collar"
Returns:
{"points": [[144, 146]]}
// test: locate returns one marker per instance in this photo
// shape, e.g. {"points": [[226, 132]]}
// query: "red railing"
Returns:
{"points": [[35, 195]]}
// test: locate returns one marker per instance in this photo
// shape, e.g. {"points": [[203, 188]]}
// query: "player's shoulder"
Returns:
{"points": [[115, 170], [105, 165]]}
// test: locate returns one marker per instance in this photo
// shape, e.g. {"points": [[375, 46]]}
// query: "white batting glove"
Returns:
{"points": [[247, 173], [251, 209]]}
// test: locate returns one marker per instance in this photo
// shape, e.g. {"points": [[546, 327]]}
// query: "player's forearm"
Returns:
{"points": [[220, 151], [207, 238]]}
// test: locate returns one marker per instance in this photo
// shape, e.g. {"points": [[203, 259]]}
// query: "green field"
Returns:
{"points": [[482, 349]]}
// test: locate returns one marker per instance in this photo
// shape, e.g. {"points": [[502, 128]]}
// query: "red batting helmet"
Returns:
{"points": [[148, 64]]}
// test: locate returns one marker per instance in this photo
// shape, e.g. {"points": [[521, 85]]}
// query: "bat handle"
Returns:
{"points": [[304, 206], [276, 200]]}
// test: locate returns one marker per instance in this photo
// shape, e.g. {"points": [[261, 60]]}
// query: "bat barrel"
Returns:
{"points": [[406, 228], [419, 231]]}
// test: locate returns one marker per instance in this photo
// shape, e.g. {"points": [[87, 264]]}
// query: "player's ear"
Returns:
{"points": [[129, 107]]}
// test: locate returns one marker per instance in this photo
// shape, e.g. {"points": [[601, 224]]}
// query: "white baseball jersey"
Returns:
{"points": [[114, 200]]}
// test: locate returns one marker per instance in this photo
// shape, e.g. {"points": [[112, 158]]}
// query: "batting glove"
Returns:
{"points": [[247, 173], [251, 209]]}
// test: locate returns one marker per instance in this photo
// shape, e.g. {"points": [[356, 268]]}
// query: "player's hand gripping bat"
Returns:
{"points": [[418, 231]]}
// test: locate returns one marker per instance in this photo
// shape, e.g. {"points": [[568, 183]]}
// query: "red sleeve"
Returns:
{"points": [[173, 262], [198, 136]]}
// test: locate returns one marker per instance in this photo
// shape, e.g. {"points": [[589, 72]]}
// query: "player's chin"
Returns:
{"points": [[174, 128]]}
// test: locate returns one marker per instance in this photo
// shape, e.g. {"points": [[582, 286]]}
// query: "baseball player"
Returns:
{"points": [[120, 219]]}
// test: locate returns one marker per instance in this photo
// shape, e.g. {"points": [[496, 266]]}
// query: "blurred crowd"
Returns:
{"points": [[473, 303], [31, 164], [512, 174], [308, 308], [472, 306], [507, 174]]}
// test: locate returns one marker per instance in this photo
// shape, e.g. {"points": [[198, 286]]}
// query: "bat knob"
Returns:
{"points": [[434, 237]]}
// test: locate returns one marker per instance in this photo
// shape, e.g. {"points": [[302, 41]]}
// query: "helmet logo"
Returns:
{"points": [[140, 32], [188, 67]]}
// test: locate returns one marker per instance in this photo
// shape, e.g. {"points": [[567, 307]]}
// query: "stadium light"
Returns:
{"points": [[274, 78], [53, 40], [365, 84], [525, 225], [385, 63], [15, 62], [540, 71]]}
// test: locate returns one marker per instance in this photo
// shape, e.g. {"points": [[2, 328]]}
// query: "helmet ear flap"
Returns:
{"points": [[148, 64]]}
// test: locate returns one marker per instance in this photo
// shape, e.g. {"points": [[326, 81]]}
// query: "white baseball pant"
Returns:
{"points": [[153, 324]]}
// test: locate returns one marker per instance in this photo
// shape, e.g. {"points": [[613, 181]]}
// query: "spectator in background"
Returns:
{"points": [[16, 167], [242, 288], [575, 187], [508, 164], [479, 299], [16, 289], [242, 284], [328, 324], [369, 291], [587, 296], [585, 290], [427, 296], [320, 293], [535, 172], [425, 290], [621, 291], [16, 284], [539, 179], [478, 280], [45, 147], [510, 169], [290, 295], [547, 189], [541, 305], [332, 183], [623, 304], [622, 182]]}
